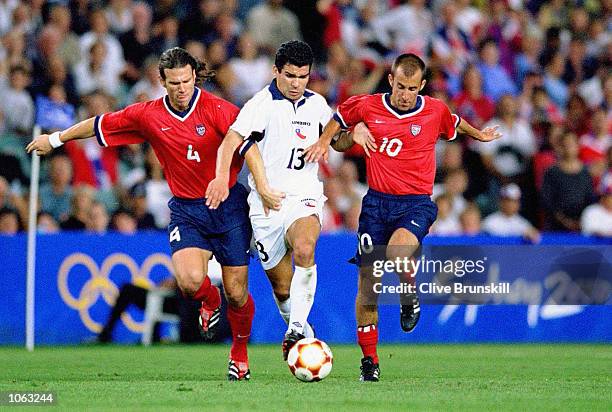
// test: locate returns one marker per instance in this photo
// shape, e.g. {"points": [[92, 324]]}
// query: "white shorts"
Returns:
{"points": [[269, 231]]}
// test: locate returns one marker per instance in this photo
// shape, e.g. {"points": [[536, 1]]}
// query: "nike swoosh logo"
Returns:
{"points": [[165, 128], [378, 121], [415, 223]]}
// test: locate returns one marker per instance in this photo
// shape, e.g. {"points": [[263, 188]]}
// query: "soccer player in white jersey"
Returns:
{"points": [[273, 129]]}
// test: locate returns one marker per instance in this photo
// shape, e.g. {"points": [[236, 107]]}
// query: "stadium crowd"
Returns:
{"points": [[538, 69]]}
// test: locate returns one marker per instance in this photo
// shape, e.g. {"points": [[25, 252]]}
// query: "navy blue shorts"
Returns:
{"points": [[382, 214], [225, 231]]}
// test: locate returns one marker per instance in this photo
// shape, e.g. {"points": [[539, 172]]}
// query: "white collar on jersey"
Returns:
{"points": [[400, 114], [182, 116]]}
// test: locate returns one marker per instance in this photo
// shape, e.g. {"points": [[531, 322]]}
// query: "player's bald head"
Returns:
{"points": [[409, 64]]}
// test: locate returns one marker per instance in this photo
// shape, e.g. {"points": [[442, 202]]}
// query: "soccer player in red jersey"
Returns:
{"points": [[185, 129], [397, 210]]}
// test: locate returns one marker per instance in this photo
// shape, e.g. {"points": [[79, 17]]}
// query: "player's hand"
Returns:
{"points": [[216, 192], [316, 152], [363, 137], [270, 198], [489, 133], [41, 145]]}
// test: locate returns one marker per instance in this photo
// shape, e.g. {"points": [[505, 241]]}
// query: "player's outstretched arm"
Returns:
{"points": [[321, 148], [270, 198], [485, 135], [45, 143], [218, 190]]}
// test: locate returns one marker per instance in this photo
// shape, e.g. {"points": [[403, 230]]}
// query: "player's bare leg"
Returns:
{"points": [[404, 244], [366, 311], [240, 312], [190, 270], [302, 238]]}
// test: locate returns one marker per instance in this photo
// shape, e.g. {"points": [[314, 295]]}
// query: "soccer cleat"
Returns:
{"points": [[370, 371], [209, 321], [238, 371], [409, 314], [291, 338]]}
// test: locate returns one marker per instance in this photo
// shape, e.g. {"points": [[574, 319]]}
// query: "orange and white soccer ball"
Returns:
{"points": [[310, 360]]}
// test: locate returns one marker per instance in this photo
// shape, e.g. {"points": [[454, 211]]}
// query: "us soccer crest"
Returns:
{"points": [[200, 129], [415, 129]]}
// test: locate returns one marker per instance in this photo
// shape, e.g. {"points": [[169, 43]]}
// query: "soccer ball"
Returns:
{"points": [[310, 360]]}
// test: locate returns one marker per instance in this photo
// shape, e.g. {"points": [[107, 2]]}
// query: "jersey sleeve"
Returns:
{"points": [[252, 118], [121, 127], [351, 111], [448, 124], [224, 115]]}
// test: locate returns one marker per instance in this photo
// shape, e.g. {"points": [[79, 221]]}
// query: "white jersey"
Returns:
{"points": [[283, 129]]}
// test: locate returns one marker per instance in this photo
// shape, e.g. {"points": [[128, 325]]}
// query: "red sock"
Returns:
{"points": [[240, 320], [209, 294], [367, 337]]}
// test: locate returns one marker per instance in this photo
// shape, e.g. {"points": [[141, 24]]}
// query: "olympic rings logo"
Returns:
{"points": [[100, 284]]}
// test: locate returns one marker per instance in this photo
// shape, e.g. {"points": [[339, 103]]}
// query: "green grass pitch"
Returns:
{"points": [[413, 377]]}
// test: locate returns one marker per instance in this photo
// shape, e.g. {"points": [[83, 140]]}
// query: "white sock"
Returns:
{"points": [[284, 308], [302, 291]]}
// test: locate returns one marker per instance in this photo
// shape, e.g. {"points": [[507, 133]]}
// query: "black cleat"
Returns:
{"points": [[409, 315], [291, 338], [238, 371], [209, 322], [369, 370]]}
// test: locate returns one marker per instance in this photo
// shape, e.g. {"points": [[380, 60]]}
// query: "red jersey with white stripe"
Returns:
{"points": [[185, 143], [405, 162]]}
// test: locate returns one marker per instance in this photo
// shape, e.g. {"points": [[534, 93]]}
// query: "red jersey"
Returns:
{"points": [[405, 162], [185, 143]]}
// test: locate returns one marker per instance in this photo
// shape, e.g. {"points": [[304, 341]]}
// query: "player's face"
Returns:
{"points": [[404, 89], [292, 80], [179, 84]]}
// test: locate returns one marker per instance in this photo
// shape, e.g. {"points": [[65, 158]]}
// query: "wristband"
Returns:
{"points": [[54, 140]]}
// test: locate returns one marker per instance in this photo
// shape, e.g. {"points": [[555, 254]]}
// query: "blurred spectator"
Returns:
{"points": [[16, 103], [56, 195], [46, 224], [98, 219], [527, 60], [596, 219], [450, 46], [9, 222], [455, 184], [157, 191], [567, 188], [149, 84], [6, 13], [446, 223], [201, 22], [332, 217], [251, 72], [123, 221], [592, 90], [595, 145], [227, 30], [470, 220], [407, 28], [578, 66], [496, 81], [11, 170], [271, 24], [167, 34], [79, 9], [507, 221], [69, 49], [10, 197], [113, 62], [553, 83], [92, 73], [578, 117], [53, 112], [471, 103], [137, 43], [509, 156], [144, 219], [12, 52], [119, 16], [81, 204], [357, 81]]}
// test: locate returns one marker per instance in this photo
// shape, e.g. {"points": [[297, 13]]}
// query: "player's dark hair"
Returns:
{"points": [[410, 63], [177, 57], [294, 52]]}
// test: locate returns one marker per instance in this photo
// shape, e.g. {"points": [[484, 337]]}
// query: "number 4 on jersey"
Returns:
{"points": [[192, 154]]}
